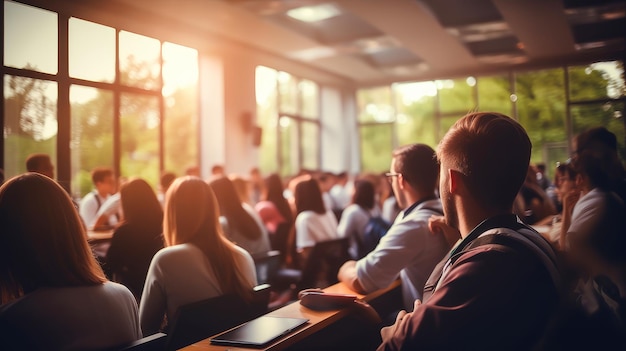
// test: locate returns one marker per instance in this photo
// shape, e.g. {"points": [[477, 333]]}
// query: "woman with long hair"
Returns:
{"points": [[355, 217], [198, 261], [138, 238], [241, 223], [275, 213], [313, 222], [53, 293]]}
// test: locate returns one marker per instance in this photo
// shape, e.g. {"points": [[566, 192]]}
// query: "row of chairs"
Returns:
{"points": [[196, 321]]}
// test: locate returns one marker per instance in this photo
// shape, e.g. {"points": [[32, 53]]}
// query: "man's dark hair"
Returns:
{"points": [[418, 165], [99, 174], [35, 162], [492, 151], [166, 180]]}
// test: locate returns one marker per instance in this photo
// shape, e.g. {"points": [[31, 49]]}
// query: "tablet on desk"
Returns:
{"points": [[259, 332]]}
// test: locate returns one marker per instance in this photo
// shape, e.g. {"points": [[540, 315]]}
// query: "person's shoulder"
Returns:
{"points": [[177, 252], [117, 289], [305, 216], [352, 210], [90, 196]]}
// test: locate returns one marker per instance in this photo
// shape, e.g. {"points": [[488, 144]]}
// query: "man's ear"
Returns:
{"points": [[455, 181]]}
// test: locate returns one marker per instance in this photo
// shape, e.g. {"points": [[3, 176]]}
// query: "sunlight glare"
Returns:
{"points": [[180, 67]]}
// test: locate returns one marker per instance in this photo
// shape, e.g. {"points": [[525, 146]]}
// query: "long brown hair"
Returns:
{"points": [[42, 241], [274, 193], [231, 207], [192, 216], [140, 205]]}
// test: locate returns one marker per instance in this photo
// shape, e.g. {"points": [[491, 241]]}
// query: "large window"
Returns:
{"points": [[30, 121], [288, 113], [553, 105], [139, 123]]}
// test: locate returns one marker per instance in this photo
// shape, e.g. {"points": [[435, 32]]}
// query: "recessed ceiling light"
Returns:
{"points": [[312, 54], [315, 13]]}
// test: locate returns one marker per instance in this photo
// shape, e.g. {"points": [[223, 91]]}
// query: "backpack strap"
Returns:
{"points": [[95, 194], [521, 239]]}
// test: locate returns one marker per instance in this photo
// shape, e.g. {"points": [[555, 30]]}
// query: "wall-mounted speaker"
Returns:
{"points": [[257, 135]]}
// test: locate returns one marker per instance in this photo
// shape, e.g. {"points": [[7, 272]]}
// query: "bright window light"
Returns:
{"points": [[314, 13]]}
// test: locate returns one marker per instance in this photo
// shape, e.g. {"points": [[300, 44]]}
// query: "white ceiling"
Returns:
{"points": [[380, 41]]}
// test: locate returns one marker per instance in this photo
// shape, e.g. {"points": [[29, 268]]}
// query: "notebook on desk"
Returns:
{"points": [[259, 332]]}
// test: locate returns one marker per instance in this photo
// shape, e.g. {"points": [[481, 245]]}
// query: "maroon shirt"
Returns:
{"points": [[493, 297]]}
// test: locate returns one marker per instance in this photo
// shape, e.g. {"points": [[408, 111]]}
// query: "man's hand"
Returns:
{"points": [[387, 332], [439, 226]]}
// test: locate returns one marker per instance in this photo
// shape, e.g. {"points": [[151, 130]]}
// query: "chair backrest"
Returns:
{"points": [[324, 262], [154, 342], [267, 265], [199, 320]]}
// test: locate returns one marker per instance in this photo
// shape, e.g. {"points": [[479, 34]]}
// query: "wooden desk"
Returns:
{"points": [[318, 320]]}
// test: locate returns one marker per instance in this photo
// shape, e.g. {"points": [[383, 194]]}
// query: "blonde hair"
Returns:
{"points": [[42, 241], [192, 216]]}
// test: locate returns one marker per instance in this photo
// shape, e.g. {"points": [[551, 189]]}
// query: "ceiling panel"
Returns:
{"points": [[374, 42]]}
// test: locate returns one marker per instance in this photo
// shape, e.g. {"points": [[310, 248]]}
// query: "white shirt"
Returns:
{"points": [[71, 318], [179, 275], [408, 250], [312, 227], [341, 196], [111, 208], [352, 225], [89, 206]]}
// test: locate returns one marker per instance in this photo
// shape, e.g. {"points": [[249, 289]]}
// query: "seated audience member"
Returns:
{"points": [[276, 214], [566, 190], [218, 171], [408, 250], [242, 187], [532, 203], [241, 223], [340, 193], [326, 181], [314, 223], [40, 163], [483, 285], [541, 177], [104, 183], [256, 185], [138, 237], [193, 171], [595, 243], [355, 217], [110, 212], [198, 262], [53, 293], [164, 183], [602, 144]]}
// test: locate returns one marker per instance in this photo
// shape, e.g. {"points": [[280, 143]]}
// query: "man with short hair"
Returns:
{"points": [[40, 163], [498, 287], [408, 250], [104, 182]]}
